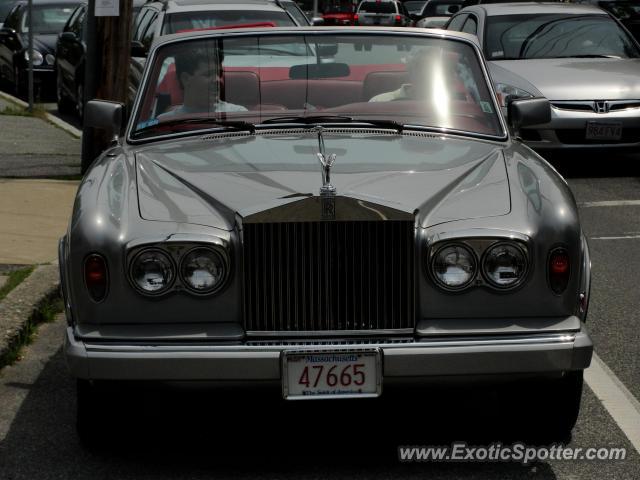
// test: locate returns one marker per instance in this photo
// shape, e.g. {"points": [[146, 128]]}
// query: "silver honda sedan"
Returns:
{"points": [[578, 56]]}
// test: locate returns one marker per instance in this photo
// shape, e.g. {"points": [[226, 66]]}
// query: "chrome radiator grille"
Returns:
{"points": [[319, 276]]}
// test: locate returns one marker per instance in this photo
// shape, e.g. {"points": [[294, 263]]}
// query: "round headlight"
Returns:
{"points": [[203, 270], [50, 59], [454, 266], [152, 272], [37, 57], [504, 265]]}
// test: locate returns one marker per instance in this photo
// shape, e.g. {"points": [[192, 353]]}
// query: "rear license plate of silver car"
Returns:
{"points": [[321, 374], [604, 131]]}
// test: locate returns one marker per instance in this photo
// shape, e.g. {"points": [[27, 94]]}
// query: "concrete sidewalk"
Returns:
{"points": [[33, 147], [34, 214]]}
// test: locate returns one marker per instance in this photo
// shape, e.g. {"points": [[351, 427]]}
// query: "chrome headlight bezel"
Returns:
{"points": [[224, 260], [434, 257], [485, 257], [177, 252], [170, 262]]}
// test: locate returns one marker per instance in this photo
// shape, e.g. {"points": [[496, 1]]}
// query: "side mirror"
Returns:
{"points": [[317, 21], [528, 111], [105, 115], [138, 49], [68, 36]]}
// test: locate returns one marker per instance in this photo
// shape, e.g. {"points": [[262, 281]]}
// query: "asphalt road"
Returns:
{"points": [[201, 435]]}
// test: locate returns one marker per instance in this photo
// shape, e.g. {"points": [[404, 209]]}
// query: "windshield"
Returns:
{"points": [[402, 80], [377, 7], [441, 8], [180, 22], [339, 6], [414, 6], [513, 37], [5, 8], [47, 18]]}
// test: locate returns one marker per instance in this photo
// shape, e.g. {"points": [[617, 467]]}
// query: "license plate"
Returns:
{"points": [[331, 374], [604, 131]]}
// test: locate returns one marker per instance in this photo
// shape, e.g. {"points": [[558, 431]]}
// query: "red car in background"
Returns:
{"points": [[339, 12]]}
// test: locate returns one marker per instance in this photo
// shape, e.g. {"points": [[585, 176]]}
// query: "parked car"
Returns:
{"points": [[330, 220], [70, 53], [414, 7], [382, 13], [158, 18], [436, 13], [577, 56], [49, 17], [339, 12]]}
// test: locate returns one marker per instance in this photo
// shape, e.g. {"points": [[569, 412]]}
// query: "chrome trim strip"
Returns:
{"points": [[560, 338], [308, 334]]}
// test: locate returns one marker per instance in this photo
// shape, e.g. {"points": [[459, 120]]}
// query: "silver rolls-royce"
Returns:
{"points": [[334, 212]]}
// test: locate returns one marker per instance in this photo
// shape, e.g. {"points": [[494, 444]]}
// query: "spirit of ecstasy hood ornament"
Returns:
{"points": [[327, 163]]}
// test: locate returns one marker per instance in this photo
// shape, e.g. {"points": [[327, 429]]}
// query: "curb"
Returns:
{"points": [[17, 308], [70, 129]]}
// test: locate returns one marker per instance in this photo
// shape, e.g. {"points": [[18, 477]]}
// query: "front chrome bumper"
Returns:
{"points": [[450, 356], [551, 136]]}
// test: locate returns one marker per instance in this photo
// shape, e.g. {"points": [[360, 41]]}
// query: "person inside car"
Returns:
{"points": [[200, 80], [421, 67]]}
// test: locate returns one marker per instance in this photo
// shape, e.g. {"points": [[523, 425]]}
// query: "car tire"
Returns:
{"points": [[65, 105], [551, 408]]}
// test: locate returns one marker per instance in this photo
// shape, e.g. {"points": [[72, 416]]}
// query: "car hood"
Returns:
{"points": [[44, 43], [211, 182], [590, 78]]}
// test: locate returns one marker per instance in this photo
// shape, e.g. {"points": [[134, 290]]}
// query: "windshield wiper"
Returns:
{"points": [[235, 125], [309, 120], [319, 119]]}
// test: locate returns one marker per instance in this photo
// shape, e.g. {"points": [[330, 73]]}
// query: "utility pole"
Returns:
{"points": [[107, 68]]}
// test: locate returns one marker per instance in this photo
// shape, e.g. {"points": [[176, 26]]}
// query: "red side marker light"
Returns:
{"points": [[559, 270], [95, 276]]}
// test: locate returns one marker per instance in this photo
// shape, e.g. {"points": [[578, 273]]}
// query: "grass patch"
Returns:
{"points": [[15, 278], [45, 312], [15, 110]]}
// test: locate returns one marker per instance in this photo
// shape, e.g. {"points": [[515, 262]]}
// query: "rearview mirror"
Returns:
{"points": [[317, 21], [528, 111], [105, 115], [319, 70]]}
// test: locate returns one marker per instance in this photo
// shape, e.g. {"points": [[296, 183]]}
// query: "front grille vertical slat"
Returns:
{"points": [[333, 275]]}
